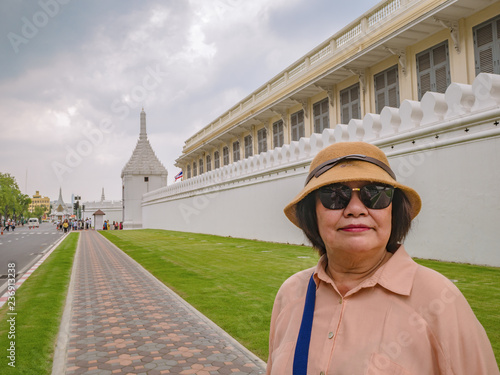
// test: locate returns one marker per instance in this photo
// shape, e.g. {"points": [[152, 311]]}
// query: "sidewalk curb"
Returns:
{"points": [[60, 351]]}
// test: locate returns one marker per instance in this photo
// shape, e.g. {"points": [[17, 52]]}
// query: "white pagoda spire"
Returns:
{"points": [[102, 195], [143, 134], [144, 161]]}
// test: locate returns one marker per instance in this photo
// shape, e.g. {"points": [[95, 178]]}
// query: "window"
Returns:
{"points": [[350, 104], [487, 46], [146, 179], [248, 146], [195, 170], [297, 122], [189, 171], [209, 163], [262, 140], [236, 151], [201, 166], [387, 89], [433, 70], [225, 155], [320, 113], [216, 159], [278, 134]]}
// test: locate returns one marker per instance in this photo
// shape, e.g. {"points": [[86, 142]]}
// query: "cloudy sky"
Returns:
{"points": [[75, 74]]}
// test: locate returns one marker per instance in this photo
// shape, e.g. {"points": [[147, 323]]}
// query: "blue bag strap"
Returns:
{"points": [[302, 347]]}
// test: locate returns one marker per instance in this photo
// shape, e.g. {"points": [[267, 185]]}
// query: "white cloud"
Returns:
{"points": [[98, 63]]}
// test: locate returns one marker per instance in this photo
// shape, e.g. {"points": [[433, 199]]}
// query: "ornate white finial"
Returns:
{"points": [[142, 134]]}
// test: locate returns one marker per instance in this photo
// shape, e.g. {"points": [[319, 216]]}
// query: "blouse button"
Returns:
{"points": [[330, 335], [322, 373]]}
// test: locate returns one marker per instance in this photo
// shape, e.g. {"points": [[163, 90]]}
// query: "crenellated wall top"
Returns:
{"points": [[463, 113]]}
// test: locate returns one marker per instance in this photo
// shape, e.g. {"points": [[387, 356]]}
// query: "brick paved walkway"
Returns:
{"points": [[124, 321]]}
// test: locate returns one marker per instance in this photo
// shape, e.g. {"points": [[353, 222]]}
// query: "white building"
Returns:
{"points": [[142, 173], [113, 210]]}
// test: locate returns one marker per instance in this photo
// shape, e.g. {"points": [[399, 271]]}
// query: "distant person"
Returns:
{"points": [[121, 225], [65, 226], [367, 307]]}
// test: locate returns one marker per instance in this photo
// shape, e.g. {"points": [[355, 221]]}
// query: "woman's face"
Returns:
{"points": [[356, 229]]}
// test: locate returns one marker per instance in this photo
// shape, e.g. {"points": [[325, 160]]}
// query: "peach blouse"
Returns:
{"points": [[405, 319]]}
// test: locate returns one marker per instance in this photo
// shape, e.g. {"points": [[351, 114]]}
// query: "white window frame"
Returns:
{"points": [[278, 134], [349, 108], [236, 151], [225, 155], [262, 140], [248, 146], [385, 89], [297, 125], [488, 51], [321, 117], [433, 70], [216, 159]]}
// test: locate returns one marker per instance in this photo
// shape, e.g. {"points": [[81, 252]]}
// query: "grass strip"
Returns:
{"points": [[234, 281], [39, 304]]}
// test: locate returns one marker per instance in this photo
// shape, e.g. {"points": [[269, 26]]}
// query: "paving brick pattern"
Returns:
{"points": [[124, 321]]}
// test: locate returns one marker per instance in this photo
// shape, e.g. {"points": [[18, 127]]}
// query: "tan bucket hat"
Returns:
{"points": [[350, 161]]}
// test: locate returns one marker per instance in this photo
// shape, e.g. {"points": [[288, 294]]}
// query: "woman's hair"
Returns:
{"points": [[401, 221]]}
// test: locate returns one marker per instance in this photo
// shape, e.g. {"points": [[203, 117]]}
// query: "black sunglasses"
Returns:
{"points": [[338, 196]]}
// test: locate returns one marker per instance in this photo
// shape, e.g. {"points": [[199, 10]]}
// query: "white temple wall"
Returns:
{"points": [[113, 211], [446, 147], [247, 209], [457, 185]]}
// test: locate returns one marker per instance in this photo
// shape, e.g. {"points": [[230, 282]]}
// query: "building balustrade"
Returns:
{"points": [[327, 50]]}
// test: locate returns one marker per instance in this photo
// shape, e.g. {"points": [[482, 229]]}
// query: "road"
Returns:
{"points": [[24, 247]]}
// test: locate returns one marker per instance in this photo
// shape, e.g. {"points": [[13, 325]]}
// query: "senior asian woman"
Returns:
{"points": [[367, 307]]}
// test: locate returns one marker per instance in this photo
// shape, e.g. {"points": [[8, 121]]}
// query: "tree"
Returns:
{"points": [[9, 196], [13, 204], [38, 212], [24, 203]]}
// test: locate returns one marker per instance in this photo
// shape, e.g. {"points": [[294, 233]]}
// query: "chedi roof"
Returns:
{"points": [[143, 160]]}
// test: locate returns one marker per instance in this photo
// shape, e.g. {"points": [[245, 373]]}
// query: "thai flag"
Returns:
{"points": [[178, 175]]}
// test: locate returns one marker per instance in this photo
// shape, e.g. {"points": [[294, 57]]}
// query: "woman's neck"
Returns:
{"points": [[349, 273]]}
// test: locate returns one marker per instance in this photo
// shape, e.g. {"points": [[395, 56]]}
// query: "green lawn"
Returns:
{"points": [[39, 304], [234, 281]]}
